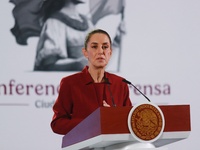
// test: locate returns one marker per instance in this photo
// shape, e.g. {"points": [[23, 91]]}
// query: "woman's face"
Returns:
{"points": [[98, 50]]}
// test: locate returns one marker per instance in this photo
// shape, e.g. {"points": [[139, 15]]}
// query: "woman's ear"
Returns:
{"points": [[111, 52], [84, 51]]}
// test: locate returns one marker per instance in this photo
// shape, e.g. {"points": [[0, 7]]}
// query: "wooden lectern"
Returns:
{"points": [[108, 126]]}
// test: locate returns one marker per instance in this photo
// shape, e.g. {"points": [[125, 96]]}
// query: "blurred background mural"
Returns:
{"points": [[156, 47]]}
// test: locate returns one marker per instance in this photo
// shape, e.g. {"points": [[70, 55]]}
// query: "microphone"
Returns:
{"points": [[128, 82], [112, 98]]}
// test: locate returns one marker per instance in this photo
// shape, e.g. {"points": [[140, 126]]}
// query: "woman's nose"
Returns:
{"points": [[100, 50]]}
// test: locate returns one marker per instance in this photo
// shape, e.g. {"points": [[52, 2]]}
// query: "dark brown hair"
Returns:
{"points": [[94, 32]]}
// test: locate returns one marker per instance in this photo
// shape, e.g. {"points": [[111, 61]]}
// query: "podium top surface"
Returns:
{"points": [[113, 120]]}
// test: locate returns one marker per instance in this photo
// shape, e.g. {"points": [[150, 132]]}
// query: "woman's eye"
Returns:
{"points": [[94, 47], [104, 47]]}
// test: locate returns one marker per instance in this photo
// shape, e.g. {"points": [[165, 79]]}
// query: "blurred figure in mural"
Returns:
{"points": [[62, 28], [62, 37]]}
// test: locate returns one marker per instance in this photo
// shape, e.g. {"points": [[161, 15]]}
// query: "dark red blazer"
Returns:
{"points": [[78, 97]]}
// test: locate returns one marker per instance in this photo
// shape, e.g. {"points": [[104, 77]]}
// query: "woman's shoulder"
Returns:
{"points": [[72, 76], [114, 77]]}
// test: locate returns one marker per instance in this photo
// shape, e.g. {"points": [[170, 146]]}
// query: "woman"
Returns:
{"points": [[82, 93], [62, 37]]}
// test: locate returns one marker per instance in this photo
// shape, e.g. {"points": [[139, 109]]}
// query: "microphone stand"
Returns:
{"points": [[128, 82]]}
